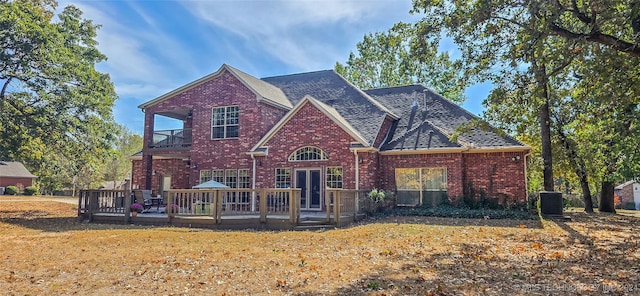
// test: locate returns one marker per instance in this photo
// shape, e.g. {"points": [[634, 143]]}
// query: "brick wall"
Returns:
{"points": [[452, 161], [21, 183], [225, 90], [497, 174], [308, 127], [626, 194], [384, 130], [494, 174]]}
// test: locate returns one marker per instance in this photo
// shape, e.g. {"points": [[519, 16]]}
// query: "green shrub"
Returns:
{"points": [[378, 201], [11, 190], [31, 190], [463, 212]]}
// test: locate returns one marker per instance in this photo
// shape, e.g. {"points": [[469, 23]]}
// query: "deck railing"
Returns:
{"points": [[171, 138], [219, 203], [235, 202], [348, 201], [104, 202]]}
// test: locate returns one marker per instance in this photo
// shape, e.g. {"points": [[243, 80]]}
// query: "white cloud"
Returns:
{"points": [[138, 55], [305, 34]]}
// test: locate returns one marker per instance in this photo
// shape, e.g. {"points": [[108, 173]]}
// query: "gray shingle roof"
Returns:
{"points": [[262, 88], [14, 169], [361, 111], [430, 129]]}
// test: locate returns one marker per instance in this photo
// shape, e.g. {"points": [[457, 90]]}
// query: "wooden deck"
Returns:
{"points": [[264, 209]]}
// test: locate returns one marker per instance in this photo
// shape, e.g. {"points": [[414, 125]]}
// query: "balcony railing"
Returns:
{"points": [[171, 138]]}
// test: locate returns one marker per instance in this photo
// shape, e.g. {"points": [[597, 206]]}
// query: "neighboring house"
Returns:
{"points": [[13, 173], [315, 131], [629, 192]]}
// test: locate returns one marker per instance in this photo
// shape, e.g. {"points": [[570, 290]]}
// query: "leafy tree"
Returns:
{"points": [[401, 57], [55, 108], [126, 144], [529, 47]]}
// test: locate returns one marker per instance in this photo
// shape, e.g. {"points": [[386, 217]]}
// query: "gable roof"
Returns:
{"points": [[265, 92], [625, 184], [324, 108], [362, 112], [14, 169], [419, 128]]}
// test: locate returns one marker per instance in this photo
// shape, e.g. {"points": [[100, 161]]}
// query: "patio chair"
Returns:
{"points": [[143, 197]]}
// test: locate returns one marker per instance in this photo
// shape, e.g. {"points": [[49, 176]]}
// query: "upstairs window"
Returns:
{"points": [[308, 153], [225, 122]]}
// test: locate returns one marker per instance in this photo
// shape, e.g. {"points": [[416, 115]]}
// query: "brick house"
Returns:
{"points": [[629, 192], [13, 173], [315, 131]]}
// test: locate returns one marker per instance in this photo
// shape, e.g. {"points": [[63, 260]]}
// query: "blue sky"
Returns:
{"points": [[156, 46]]}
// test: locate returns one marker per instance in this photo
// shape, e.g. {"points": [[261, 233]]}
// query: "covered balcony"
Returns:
{"points": [[166, 134], [178, 138]]}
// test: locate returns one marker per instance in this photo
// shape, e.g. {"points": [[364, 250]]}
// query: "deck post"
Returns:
{"points": [[296, 202], [82, 204], [127, 203], [218, 199], [262, 198], [94, 199], [327, 203]]}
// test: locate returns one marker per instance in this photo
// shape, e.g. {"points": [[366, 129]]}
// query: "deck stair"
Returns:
{"points": [[314, 223]]}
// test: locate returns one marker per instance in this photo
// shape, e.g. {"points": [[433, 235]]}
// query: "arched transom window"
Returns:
{"points": [[308, 153]]}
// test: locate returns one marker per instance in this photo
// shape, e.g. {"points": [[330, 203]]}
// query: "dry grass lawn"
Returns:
{"points": [[44, 250]]}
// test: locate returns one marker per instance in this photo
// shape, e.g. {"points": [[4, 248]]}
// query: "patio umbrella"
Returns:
{"points": [[210, 184]]}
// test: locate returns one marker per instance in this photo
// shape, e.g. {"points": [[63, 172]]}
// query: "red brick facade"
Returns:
{"points": [[308, 127], [21, 183], [496, 173]]}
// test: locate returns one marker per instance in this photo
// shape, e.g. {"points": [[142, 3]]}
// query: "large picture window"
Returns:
{"points": [[283, 178], [334, 177], [416, 186], [225, 122]]}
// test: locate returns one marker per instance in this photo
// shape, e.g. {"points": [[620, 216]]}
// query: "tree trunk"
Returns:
{"points": [[606, 197], [545, 130], [578, 164], [586, 194]]}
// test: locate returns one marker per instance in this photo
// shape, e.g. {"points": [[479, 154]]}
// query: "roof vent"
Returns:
{"points": [[415, 102], [3, 163]]}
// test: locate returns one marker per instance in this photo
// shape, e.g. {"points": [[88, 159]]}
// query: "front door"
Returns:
{"points": [[308, 180]]}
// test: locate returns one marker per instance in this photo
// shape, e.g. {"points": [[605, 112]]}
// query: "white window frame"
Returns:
{"points": [[282, 178], [226, 121], [334, 181], [308, 153], [205, 175], [218, 176]]}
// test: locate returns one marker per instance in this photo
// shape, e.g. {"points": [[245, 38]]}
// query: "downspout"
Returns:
{"points": [[526, 182], [357, 159], [253, 184], [355, 153]]}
